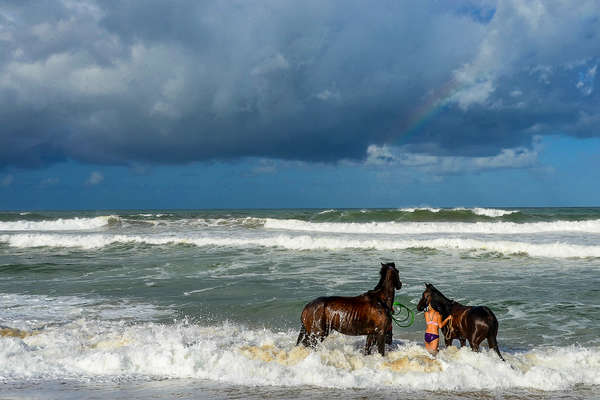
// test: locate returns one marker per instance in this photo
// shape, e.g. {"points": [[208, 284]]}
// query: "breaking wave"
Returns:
{"points": [[306, 242], [109, 351], [420, 214], [488, 212], [592, 226], [70, 224]]}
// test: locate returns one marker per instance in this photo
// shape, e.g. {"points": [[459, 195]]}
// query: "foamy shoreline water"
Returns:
{"points": [[87, 350]]}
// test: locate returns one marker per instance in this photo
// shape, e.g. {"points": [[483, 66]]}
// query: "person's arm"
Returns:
{"points": [[445, 321]]}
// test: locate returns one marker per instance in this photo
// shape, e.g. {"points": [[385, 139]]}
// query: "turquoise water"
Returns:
{"points": [[165, 303]]}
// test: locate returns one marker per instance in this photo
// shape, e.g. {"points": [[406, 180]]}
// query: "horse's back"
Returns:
{"points": [[348, 315], [481, 322], [337, 302], [484, 313]]}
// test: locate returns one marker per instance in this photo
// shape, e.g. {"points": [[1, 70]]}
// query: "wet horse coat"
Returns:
{"points": [[472, 323], [367, 314]]}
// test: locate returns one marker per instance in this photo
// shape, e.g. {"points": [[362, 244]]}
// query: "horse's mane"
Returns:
{"points": [[382, 276], [439, 302]]}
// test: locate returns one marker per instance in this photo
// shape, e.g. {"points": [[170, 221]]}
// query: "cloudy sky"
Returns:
{"points": [[271, 103]]}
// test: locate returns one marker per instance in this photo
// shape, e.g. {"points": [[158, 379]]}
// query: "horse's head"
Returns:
{"points": [[389, 273], [435, 298], [425, 297]]}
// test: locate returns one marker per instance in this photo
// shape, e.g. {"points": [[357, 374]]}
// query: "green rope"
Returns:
{"points": [[410, 315]]}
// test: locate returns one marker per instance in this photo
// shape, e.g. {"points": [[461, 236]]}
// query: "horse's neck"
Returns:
{"points": [[456, 306], [386, 294], [445, 305]]}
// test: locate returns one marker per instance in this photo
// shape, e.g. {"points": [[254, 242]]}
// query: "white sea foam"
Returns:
{"points": [[229, 353], [306, 242], [327, 211], [488, 212], [412, 228], [28, 312], [70, 224], [434, 210], [492, 212]]}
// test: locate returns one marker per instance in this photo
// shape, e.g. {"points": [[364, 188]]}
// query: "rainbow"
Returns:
{"points": [[434, 103]]}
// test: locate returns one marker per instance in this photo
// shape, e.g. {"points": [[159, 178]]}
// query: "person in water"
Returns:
{"points": [[434, 323]]}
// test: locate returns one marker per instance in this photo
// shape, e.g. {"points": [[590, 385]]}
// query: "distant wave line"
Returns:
{"points": [[306, 242], [591, 226]]}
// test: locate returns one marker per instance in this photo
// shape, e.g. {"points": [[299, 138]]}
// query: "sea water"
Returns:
{"points": [[206, 304]]}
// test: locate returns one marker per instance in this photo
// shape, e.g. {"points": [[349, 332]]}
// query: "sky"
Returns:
{"points": [[279, 104]]}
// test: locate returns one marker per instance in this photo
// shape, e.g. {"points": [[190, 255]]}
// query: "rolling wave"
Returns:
{"points": [[416, 215], [383, 227], [102, 350], [333, 220], [503, 228], [70, 224], [488, 212], [306, 242]]}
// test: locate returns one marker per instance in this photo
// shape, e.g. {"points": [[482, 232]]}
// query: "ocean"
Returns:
{"points": [[139, 304]]}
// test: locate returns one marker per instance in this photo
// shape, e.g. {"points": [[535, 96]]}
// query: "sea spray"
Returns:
{"points": [[87, 349]]}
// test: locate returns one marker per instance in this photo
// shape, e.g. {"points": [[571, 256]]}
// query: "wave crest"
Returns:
{"points": [[306, 242], [405, 228], [69, 224]]}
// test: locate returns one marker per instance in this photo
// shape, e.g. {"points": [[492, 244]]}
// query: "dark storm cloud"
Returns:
{"points": [[167, 82]]}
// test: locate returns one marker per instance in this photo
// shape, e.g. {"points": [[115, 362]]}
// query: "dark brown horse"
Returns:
{"points": [[472, 323], [368, 314]]}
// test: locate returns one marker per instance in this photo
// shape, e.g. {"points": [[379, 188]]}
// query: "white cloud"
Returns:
{"points": [[542, 72], [94, 178], [328, 95], [271, 64], [519, 157], [379, 155], [586, 81], [535, 36], [477, 93]]}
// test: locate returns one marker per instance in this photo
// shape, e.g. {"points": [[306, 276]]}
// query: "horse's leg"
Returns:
{"points": [[301, 335], [448, 341], [474, 342], [316, 339], [381, 344], [477, 336], [309, 340], [369, 344], [388, 335], [474, 345], [324, 333]]}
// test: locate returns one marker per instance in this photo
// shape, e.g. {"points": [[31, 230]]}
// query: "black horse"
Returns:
{"points": [[367, 314], [472, 323]]}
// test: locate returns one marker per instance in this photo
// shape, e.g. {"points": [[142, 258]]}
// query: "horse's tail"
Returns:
{"points": [[493, 332], [301, 335]]}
